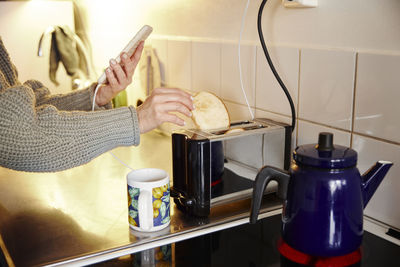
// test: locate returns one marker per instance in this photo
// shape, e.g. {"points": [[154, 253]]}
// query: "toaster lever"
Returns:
{"points": [[181, 198]]}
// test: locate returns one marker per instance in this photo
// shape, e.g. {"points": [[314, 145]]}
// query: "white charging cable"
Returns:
{"points": [[93, 105], [240, 75], [94, 95], [239, 56]]}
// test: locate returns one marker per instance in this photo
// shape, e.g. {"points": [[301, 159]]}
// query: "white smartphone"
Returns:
{"points": [[141, 35]]}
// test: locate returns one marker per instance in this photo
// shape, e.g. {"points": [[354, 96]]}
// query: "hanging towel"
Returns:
{"points": [[64, 49]]}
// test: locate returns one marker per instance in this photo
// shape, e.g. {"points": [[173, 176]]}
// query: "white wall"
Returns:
{"points": [[366, 24], [341, 62], [21, 25]]}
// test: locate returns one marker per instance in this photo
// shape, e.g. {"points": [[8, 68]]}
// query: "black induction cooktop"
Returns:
{"points": [[249, 245], [256, 245]]}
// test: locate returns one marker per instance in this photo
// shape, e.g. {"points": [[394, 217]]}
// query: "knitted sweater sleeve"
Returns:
{"points": [[75, 100], [42, 138]]}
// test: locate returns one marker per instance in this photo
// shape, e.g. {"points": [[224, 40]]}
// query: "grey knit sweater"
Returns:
{"points": [[40, 132]]}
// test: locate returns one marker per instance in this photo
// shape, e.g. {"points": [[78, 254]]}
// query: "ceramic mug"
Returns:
{"points": [[159, 256], [148, 199]]}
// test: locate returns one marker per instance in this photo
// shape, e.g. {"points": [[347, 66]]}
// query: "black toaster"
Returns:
{"points": [[217, 167]]}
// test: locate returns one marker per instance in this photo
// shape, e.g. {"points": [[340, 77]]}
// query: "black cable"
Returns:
{"points": [[271, 65]]}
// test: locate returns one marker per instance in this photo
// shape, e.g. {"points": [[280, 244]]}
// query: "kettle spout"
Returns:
{"points": [[372, 178]]}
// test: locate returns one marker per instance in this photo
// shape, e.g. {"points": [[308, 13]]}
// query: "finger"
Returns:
{"points": [[138, 52], [184, 97], [135, 58], [175, 106], [163, 90], [173, 119], [112, 80], [130, 68], [118, 71], [173, 97], [128, 65]]}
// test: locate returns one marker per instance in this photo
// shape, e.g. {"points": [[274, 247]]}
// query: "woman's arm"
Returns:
{"points": [[119, 76], [75, 100], [40, 133], [44, 139]]}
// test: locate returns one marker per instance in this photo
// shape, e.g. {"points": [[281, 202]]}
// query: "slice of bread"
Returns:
{"points": [[210, 112]]}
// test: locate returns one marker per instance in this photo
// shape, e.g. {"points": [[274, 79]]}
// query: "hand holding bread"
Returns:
{"points": [[160, 106], [203, 111], [209, 113]]}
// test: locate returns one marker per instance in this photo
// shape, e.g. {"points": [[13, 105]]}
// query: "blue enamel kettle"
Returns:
{"points": [[324, 197]]}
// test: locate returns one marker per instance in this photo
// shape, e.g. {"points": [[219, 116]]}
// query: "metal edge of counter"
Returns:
{"points": [[372, 226], [4, 253], [379, 229], [180, 236]]}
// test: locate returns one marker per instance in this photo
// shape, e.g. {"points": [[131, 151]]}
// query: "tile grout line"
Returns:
{"points": [[325, 125], [255, 81], [353, 110], [220, 70], [352, 131], [278, 44], [378, 139], [167, 79], [191, 66], [298, 98]]}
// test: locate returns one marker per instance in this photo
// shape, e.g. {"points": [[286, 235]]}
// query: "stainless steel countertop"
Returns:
{"points": [[80, 216]]}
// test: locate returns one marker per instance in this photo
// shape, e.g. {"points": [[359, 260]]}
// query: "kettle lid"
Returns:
{"points": [[325, 154]]}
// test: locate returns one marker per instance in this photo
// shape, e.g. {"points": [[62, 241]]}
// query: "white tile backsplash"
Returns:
{"points": [[326, 87], [377, 106], [325, 98], [308, 134], [273, 116], [206, 67], [238, 112], [230, 81], [383, 205], [160, 47], [179, 64], [278, 118], [137, 89], [269, 94]]}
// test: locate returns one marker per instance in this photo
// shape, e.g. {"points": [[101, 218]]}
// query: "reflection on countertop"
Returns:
{"points": [[248, 245], [80, 215]]}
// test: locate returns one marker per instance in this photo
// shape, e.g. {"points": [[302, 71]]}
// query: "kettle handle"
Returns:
{"points": [[264, 176]]}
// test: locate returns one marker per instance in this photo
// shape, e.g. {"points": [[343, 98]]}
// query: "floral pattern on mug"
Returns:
{"points": [[161, 205], [162, 256], [133, 200]]}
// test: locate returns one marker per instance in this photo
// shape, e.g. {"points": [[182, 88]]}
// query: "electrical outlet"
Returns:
{"points": [[300, 3]]}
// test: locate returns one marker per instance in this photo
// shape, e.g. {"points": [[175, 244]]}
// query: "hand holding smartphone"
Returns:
{"points": [[130, 48]]}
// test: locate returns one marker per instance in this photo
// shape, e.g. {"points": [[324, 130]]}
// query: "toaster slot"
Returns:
{"points": [[239, 129], [240, 123]]}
